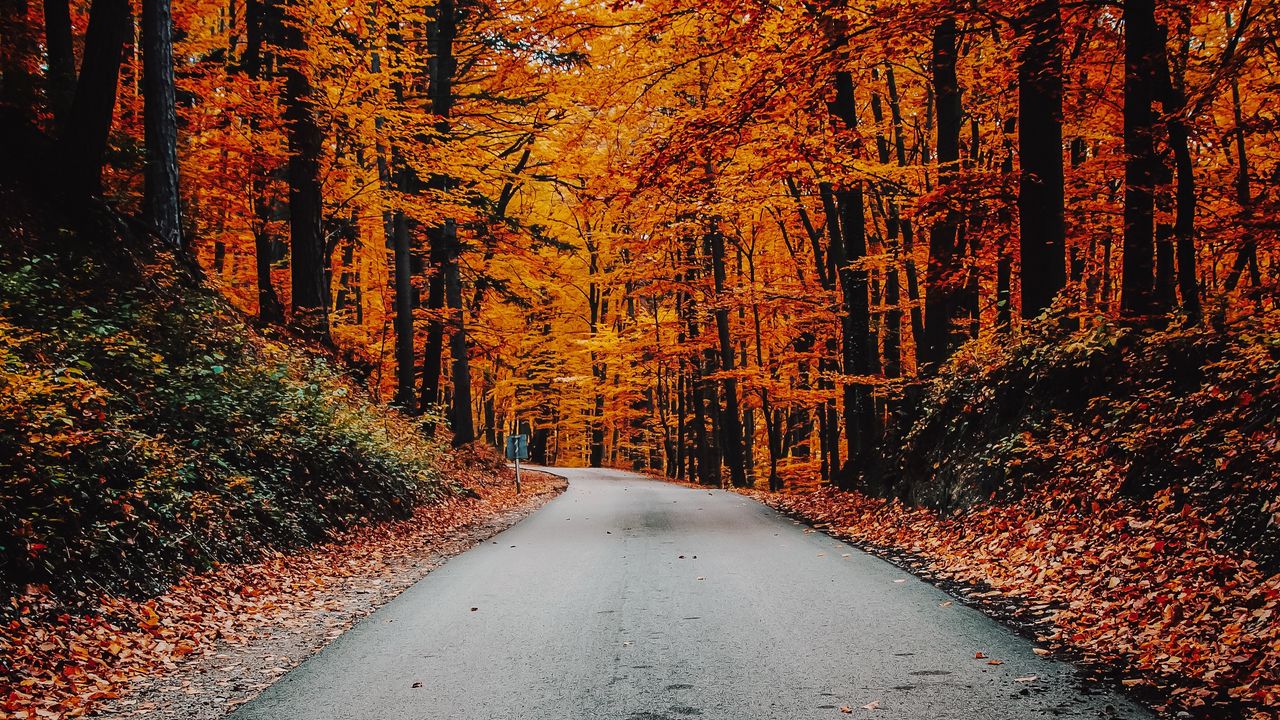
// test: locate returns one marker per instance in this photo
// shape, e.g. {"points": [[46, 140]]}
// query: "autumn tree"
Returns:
{"points": [[161, 202], [1042, 225]]}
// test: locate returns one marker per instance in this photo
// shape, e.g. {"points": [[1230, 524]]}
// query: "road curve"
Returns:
{"points": [[630, 599]]}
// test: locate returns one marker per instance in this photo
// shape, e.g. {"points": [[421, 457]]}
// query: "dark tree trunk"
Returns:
{"points": [[730, 420], [261, 22], [310, 296], [849, 249], [1174, 103], [460, 416], [1042, 228], [942, 275], [60, 54], [1141, 40], [444, 258], [89, 126], [1165, 297], [433, 350], [893, 226], [906, 227], [405, 365], [160, 119], [1247, 255]]}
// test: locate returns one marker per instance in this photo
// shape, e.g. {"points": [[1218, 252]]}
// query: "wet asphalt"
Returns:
{"points": [[631, 599]]}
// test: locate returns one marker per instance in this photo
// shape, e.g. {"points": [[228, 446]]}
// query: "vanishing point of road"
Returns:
{"points": [[632, 599]]}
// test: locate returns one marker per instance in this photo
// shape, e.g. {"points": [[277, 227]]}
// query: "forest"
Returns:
{"points": [[924, 273]]}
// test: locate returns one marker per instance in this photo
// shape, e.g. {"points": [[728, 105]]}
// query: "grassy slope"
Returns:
{"points": [[146, 429]]}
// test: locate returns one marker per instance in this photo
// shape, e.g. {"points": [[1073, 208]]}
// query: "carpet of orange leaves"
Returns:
{"points": [[1141, 589], [57, 662]]}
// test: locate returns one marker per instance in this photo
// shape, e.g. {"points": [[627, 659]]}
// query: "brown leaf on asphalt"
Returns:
{"points": [[871, 705]]}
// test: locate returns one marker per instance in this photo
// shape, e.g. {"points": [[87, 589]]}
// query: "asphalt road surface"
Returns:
{"points": [[629, 599]]}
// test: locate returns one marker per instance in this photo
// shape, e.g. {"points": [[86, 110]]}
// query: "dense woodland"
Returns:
{"points": [[1005, 269], [703, 238]]}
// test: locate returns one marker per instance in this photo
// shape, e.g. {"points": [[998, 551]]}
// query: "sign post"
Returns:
{"points": [[517, 450]]}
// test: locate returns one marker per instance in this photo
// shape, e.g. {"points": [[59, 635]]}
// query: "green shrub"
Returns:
{"points": [[145, 430]]}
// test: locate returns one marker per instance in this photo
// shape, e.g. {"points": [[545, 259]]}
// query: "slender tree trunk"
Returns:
{"points": [[443, 66], [310, 296], [1042, 227], [849, 249], [403, 275], [433, 349], [1141, 37], [1174, 103], [85, 142], [460, 419], [60, 54], [893, 226], [161, 208], [731, 424], [941, 277], [1247, 254], [261, 25], [907, 229]]}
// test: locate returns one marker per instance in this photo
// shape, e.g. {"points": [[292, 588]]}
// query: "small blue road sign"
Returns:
{"points": [[517, 447]]}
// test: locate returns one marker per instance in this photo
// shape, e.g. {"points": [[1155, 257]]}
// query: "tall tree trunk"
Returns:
{"points": [[60, 55], [433, 349], [849, 249], [403, 322], [730, 419], [85, 142], [1247, 254], [160, 192], [310, 296], [893, 227], [460, 419], [1141, 38], [1174, 102], [907, 228], [942, 275], [261, 24], [1042, 227], [444, 258]]}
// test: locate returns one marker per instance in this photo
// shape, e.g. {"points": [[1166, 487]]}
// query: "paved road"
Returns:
{"points": [[628, 599]]}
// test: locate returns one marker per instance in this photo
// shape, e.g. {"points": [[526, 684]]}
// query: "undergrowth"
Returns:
{"points": [[147, 430]]}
